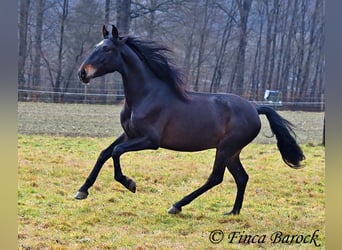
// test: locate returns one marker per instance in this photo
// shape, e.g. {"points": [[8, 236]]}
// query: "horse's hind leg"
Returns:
{"points": [[103, 157], [215, 178], [241, 178]]}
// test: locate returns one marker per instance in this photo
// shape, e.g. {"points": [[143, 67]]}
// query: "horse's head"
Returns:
{"points": [[105, 58]]}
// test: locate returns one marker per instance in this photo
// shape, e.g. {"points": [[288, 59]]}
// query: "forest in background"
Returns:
{"points": [[238, 46]]}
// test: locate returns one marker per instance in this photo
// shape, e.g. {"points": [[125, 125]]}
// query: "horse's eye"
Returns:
{"points": [[106, 48]]}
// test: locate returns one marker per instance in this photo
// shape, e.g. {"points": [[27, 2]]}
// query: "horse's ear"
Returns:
{"points": [[104, 31], [115, 32]]}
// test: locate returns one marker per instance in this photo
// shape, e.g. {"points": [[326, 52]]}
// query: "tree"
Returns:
{"points": [[220, 63], [58, 82], [237, 78], [204, 31], [239, 46], [256, 66], [268, 42], [36, 77], [123, 18], [285, 71], [23, 28], [304, 86]]}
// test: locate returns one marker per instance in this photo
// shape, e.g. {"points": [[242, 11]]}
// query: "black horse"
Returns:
{"points": [[159, 112]]}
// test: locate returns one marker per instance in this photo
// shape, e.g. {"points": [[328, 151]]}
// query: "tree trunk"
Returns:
{"points": [[123, 21], [270, 81], [244, 8], [123, 16], [300, 52], [305, 80], [285, 79], [152, 19], [57, 86], [23, 27], [255, 78], [103, 84], [202, 43], [189, 48], [220, 61], [284, 26], [36, 81], [266, 63]]}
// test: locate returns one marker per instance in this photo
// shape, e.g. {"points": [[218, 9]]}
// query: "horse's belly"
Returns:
{"points": [[191, 139], [187, 147]]}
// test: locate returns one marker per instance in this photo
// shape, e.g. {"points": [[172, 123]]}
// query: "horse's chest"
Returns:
{"points": [[130, 124], [127, 125]]}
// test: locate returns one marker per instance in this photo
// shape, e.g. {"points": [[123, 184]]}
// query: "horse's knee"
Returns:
{"points": [[215, 180], [117, 151], [244, 177], [238, 172]]}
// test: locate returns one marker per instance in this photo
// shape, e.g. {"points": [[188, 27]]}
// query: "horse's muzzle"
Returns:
{"points": [[82, 75]]}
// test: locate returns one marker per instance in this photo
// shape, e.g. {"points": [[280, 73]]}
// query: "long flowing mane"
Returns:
{"points": [[156, 58]]}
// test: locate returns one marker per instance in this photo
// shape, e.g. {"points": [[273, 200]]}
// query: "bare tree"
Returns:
{"points": [[221, 58], [283, 25], [23, 27], [304, 86], [123, 18], [268, 42], [285, 75], [204, 31], [240, 46], [58, 81], [275, 20], [237, 78], [36, 78], [256, 67]]}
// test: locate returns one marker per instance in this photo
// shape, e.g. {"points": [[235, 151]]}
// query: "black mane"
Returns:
{"points": [[156, 58]]}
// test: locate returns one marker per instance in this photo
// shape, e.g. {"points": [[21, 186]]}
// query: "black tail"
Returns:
{"points": [[290, 151]]}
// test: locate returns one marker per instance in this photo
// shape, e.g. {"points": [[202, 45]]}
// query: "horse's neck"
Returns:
{"points": [[138, 80]]}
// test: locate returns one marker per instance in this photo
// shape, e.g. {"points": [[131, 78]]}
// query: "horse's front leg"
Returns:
{"points": [[103, 157], [134, 144]]}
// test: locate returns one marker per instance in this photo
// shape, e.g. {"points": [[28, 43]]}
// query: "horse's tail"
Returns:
{"points": [[290, 151]]}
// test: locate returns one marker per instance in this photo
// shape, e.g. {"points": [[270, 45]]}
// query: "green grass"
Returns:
{"points": [[59, 143], [52, 168]]}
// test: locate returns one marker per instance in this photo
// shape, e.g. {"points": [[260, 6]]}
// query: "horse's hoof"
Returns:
{"points": [[132, 187], [174, 210], [230, 213], [80, 195]]}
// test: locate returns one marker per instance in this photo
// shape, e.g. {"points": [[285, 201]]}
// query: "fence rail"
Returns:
{"points": [[69, 93], [98, 97]]}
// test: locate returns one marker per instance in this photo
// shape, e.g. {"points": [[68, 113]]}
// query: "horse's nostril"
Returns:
{"points": [[82, 74]]}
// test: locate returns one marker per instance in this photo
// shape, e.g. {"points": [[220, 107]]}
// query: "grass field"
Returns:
{"points": [[52, 166]]}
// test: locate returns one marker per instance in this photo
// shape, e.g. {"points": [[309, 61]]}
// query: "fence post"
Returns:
{"points": [[85, 93]]}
